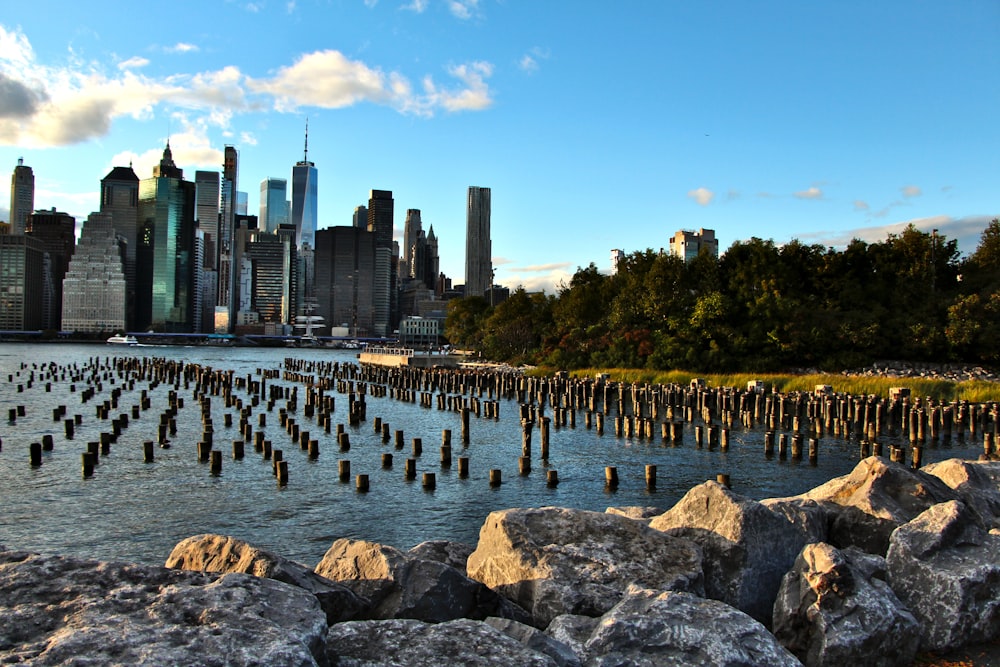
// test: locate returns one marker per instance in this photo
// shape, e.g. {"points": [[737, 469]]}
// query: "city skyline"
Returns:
{"points": [[599, 128]]}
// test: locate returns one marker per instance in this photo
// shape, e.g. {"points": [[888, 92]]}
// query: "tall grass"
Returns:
{"points": [[976, 391]]}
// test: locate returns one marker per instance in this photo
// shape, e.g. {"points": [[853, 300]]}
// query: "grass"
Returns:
{"points": [[976, 391]]}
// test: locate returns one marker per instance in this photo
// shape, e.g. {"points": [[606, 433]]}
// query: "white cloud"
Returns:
{"points": [[476, 95], [911, 191], [290, 6], [191, 149], [418, 6], [181, 47], [463, 9], [860, 205], [134, 62], [528, 64], [812, 193], [370, 3], [966, 230], [325, 79], [701, 195], [248, 139], [536, 278]]}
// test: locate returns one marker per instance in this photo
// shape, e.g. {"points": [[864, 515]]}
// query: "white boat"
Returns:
{"points": [[118, 339]]}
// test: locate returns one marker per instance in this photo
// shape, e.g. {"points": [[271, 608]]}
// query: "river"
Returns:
{"points": [[130, 510]]}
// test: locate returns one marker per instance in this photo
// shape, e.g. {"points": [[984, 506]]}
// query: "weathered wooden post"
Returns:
{"points": [[495, 477], [344, 470], [651, 477], [611, 477]]}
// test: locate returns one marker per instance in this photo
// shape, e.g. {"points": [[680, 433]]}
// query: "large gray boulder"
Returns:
{"points": [[835, 610], [665, 628], [412, 643], [554, 561], [535, 639], [639, 513], [807, 516], [747, 547], [453, 554], [945, 567], [874, 499], [402, 586], [224, 554], [58, 610], [976, 483]]}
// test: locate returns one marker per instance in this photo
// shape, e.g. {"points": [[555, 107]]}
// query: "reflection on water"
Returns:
{"points": [[131, 510]]}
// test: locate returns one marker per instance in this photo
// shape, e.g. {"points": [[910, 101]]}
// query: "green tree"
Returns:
{"points": [[463, 325]]}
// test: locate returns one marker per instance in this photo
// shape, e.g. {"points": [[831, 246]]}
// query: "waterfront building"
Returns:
{"points": [[304, 199], [273, 210], [22, 269], [478, 248], [22, 196], [272, 260], [227, 223], [165, 258], [418, 331], [120, 200], [687, 243], [57, 232], [207, 194], [94, 290], [345, 279]]}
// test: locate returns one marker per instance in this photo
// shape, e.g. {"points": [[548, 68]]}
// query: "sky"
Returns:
{"points": [[597, 125]]}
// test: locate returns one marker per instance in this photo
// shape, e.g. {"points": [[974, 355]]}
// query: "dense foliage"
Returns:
{"points": [[758, 307]]}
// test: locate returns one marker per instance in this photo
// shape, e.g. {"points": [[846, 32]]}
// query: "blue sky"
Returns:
{"points": [[597, 125]]}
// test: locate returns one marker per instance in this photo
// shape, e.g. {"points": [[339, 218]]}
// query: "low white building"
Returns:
{"points": [[419, 331]]}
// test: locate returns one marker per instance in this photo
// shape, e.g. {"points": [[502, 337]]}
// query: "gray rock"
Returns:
{"points": [[747, 547], [573, 630], [945, 567], [58, 610], [830, 611], [411, 643], [555, 561], [874, 499], [536, 640], [453, 554], [223, 554], [663, 628], [807, 515], [976, 483], [637, 513], [402, 586]]}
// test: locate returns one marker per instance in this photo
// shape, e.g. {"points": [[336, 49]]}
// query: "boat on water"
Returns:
{"points": [[119, 339]]}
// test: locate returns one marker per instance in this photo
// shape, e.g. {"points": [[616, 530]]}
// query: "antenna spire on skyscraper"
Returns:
{"points": [[305, 156]]}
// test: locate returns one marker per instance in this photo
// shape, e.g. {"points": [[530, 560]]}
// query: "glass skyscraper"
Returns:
{"points": [[304, 199], [273, 204], [478, 262]]}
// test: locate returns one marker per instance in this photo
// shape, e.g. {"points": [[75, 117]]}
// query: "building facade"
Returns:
{"points": [[345, 279], [478, 247], [208, 190], [22, 260], [22, 196], [120, 200], [166, 254], [686, 244], [305, 188], [57, 232], [94, 289], [273, 211]]}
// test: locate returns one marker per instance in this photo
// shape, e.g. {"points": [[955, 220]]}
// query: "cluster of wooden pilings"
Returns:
{"points": [[304, 394]]}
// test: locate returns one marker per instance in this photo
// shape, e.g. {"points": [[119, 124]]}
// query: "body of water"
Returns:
{"points": [[135, 511]]}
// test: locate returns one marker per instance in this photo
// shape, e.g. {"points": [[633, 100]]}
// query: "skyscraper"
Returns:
{"points": [[478, 263], [57, 232], [22, 197], [345, 278], [207, 192], [304, 199], [22, 268], [94, 287], [411, 231], [380, 214], [273, 198], [120, 199], [165, 282], [226, 311]]}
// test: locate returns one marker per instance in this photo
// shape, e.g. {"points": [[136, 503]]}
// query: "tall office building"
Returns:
{"points": [[411, 230], [380, 214], [272, 259], [207, 193], [345, 279], [94, 287], [478, 248], [360, 217], [304, 199], [22, 268], [273, 210], [226, 311], [22, 197], [57, 232], [166, 254], [120, 199]]}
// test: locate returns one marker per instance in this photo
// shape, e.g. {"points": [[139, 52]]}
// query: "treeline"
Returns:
{"points": [[759, 307]]}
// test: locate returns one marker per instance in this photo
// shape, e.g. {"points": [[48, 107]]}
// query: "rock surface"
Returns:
{"points": [[554, 561], [945, 567], [453, 554], [976, 483], [663, 628], [402, 586], [411, 643], [58, 610], [832, 610], [747, 547], [637, 513], [537, 640], [874, 499], [223, 554]]}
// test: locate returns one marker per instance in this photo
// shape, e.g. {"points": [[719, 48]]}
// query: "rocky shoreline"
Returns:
{"points": [[868, 568]]}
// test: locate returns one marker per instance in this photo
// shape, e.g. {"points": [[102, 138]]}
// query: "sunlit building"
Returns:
{"points": [[686, 243], [304, 199], [94, 287], [22, 196], [478, 247]]}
